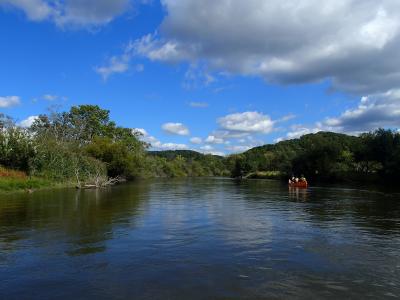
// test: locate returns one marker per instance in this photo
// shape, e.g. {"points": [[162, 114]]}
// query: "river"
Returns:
{"points": [[200, 239]]}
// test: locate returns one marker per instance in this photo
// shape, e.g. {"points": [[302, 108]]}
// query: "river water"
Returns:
{"points": [[200, 239]]}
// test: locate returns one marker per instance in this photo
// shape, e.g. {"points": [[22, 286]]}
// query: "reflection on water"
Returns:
{"points": [[298, 194], [200, 239]]}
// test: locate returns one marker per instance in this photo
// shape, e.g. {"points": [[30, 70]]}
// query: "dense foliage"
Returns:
{"points": [[187, 163], [326, 156], [84, 143]]}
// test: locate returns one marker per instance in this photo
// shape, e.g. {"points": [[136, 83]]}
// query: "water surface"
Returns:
{"points": [[200, 239]]}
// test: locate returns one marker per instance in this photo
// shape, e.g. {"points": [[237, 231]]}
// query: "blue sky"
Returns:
{"points": [[213, 76]]}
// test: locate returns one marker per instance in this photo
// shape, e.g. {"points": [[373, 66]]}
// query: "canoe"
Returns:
{"points": [[300, 184]]}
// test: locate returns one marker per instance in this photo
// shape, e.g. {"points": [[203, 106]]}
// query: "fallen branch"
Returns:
{"points": [[101, 182]]}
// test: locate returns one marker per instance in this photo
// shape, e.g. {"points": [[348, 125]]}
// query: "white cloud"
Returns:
{"points": [[9, 101], [28, 121], [169, 146], [116, 64], [354, 44], [70, 13], [35, 10], [196, 140], [156, 144], [207, 148], [210, 150], [372, 112], [244, 144], [141, 131], [145, 136], [298, 131], [90, 12], [150, 47], [214, 140], [250, 121], [175, 128]]}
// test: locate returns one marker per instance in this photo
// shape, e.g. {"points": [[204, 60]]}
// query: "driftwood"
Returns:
{"points": [[102, 183], [98, 181]]}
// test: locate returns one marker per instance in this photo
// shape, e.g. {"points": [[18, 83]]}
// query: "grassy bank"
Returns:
{"points": [[13, 181], [24, 184], [265, 175]]}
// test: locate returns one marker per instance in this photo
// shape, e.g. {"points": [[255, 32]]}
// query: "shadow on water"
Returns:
{"points": [[83, 219]]}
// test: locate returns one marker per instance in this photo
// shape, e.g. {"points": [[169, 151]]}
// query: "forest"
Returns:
{"points": [[326, 157], [84, 147]]}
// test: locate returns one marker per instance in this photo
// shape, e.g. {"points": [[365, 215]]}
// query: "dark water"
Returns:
{"points": [[200, 239]]}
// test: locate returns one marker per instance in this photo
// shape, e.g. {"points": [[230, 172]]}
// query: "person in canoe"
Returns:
{"points": [[298, 182]]}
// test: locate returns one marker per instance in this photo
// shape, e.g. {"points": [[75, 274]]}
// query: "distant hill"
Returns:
{"points": [[187, 154], [323, 156], [285, 146], [178, 163]]}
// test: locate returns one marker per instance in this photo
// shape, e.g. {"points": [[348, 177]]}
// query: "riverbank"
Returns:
{"points": [[15, 185], [265, 175]]}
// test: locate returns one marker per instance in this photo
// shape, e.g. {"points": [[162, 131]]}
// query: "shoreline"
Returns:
{"points": [[13, 186]]}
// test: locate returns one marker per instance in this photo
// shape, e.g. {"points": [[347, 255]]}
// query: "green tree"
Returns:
{"points": [[16, 146], [120, 160]]}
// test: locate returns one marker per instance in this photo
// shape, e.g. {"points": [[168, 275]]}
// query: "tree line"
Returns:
{"points": [[84, 145], [327, 156]]}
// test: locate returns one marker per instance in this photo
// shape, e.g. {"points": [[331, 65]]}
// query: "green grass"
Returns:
{"points": [[265, 175], [18, 184]]}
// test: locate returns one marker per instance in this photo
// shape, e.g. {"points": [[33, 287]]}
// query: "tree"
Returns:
{"points": [[16, 146], [239, 167], [120, 160]]}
